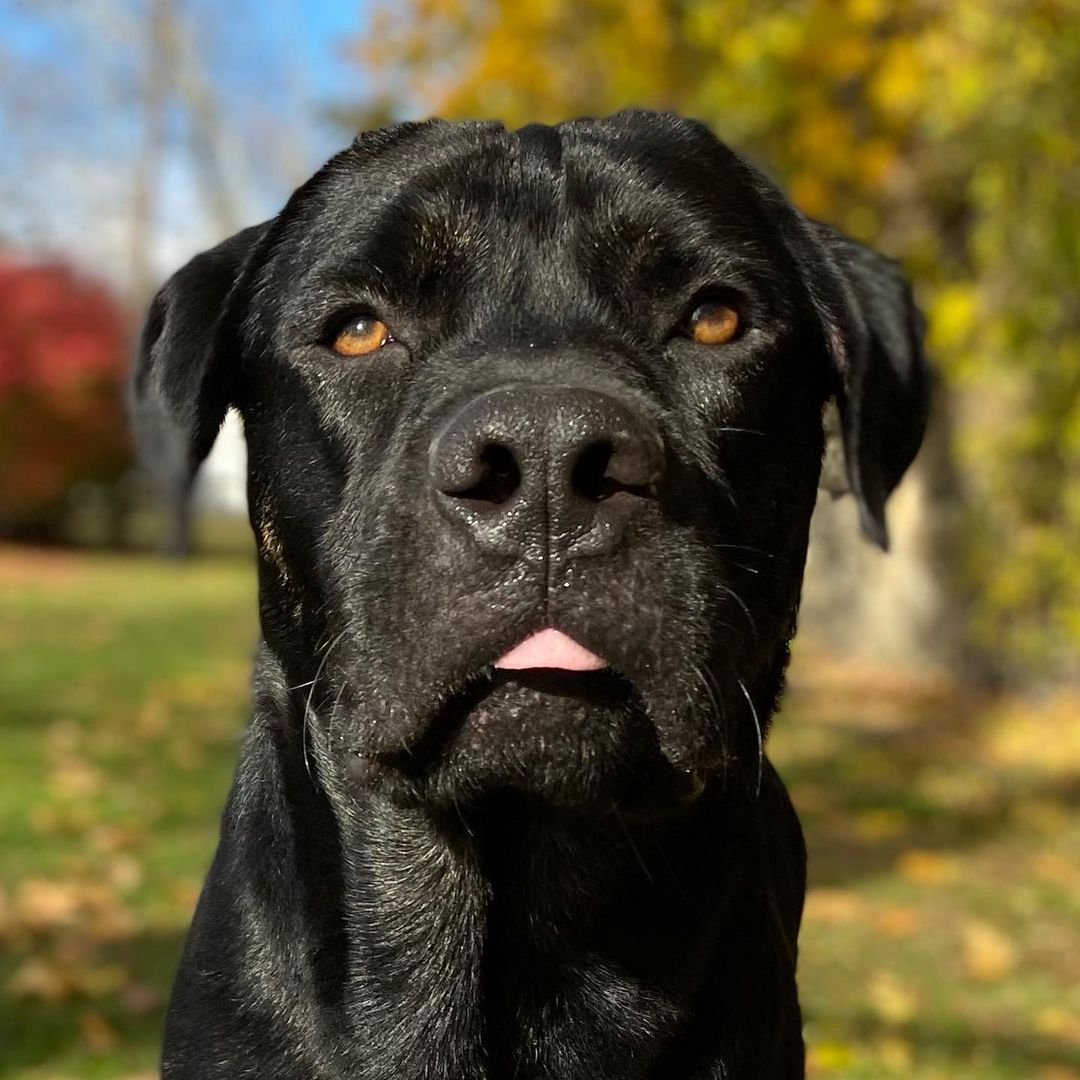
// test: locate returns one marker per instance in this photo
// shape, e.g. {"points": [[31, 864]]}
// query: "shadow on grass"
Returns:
{"points": [[122, 1027], [966, 1047], [868, 794]]}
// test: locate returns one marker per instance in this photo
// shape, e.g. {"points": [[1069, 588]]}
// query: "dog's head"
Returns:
{"points": [[535, 426]]}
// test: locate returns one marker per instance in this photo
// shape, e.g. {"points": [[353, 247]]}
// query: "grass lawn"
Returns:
{"points": [[942, 932]]}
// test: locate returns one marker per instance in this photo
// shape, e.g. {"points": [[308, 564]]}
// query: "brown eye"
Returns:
{"points": [[361, 336], [714, 323]]}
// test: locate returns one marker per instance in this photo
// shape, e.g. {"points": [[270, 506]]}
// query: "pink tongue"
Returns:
{"points": [[550, 649]]}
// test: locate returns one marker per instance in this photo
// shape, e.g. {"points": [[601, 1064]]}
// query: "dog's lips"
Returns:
{"points": [[551, 649]]}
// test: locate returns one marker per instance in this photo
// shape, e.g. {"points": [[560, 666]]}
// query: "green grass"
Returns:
{"points": [[942, 934], [123, 692]]}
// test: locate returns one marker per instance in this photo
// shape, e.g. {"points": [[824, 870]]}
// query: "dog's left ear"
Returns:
{"points": [[874, 334], [182, 380]]}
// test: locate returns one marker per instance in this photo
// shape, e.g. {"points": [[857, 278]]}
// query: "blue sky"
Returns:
{"points": [[321, 28], [71, 123]]}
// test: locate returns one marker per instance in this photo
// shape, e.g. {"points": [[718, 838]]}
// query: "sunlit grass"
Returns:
{"points": [[123, 693], [942, 929], [942, 933]]}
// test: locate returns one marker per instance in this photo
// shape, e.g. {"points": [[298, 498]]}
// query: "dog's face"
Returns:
{"points": [[534, 429]]}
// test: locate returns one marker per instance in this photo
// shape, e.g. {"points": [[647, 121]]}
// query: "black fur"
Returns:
{"points": [[430, 869]]}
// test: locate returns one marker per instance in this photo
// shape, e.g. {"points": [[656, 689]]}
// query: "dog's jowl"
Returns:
{"points": [[534, 423]]}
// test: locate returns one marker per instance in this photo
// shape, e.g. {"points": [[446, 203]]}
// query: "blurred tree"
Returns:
{"points": [[943, 133], [168, 125], [63, 355]]}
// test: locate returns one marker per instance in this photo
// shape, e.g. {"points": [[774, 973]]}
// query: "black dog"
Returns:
{"points": [[535, 426]]}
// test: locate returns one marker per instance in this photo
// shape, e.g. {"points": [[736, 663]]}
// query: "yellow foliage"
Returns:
{"points": [[953, 316], [948, 133], [898, 86]]}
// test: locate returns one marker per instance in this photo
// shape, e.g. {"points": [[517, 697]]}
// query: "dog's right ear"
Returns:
{"points": [[182, 381]]}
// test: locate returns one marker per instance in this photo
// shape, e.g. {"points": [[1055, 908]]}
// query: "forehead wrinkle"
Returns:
{"points": [[495, 207], [525, 220], [355, 189], [651, 204], [667, 237], [669, 156]]}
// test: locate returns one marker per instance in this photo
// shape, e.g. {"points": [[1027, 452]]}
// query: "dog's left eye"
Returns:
{"points": [[714, 322], [361, 335]]}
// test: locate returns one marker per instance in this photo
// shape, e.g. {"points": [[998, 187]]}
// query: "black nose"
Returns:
{"points": [[542, 468]]}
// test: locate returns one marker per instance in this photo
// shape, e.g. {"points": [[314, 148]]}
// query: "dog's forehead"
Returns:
{"points": [[620, 192]]}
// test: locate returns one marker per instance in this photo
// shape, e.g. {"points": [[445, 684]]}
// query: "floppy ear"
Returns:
{"points": [[182, 380], [874, 334]]}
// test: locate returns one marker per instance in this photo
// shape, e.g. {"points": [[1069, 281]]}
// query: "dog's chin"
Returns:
{"points": [[576, 740]]}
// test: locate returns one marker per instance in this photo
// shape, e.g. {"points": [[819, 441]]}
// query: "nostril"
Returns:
{"points": [[497, 477], [589, 477], [601, 471]]}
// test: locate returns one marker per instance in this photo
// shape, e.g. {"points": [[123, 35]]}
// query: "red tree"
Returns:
{"points": [[63, 354]]}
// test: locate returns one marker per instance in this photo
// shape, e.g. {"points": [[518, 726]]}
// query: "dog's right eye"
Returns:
{"points": [[715, 321], [361, 335]]}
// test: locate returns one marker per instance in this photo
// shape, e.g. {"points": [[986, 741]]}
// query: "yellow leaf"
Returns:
{"points": [[899, 86], [832, 905], [891, 999], [125, 872], [953, 316], [927, 867], [42, 903], [40, 980], [989, 954], [826, 1057], [810, 193], [899, 920], [75, 778], [1055, 1021], [880, 823], [895, 1053], [1057, 869], [96, 1033]]}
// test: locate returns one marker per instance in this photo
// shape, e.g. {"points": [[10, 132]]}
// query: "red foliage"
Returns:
{"points": [[64, 344]]}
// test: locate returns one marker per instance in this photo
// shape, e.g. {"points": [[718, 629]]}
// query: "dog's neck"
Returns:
{"points": [[504, 940], [561, 946]]}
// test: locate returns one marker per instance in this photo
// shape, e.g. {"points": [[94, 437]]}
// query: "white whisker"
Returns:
{"points": [[308, 711], [757, 728]]}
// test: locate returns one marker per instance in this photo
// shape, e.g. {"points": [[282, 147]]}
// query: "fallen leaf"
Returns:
{"points": [[989, 954], [125, 872], [927, 867], [891, 999], [827, 1057], [74, 778], [896, 1054], [96, 1033], [832, 906], [880, 824], [38, 979], [43, 903], [1058, 1022], [899, 920]]}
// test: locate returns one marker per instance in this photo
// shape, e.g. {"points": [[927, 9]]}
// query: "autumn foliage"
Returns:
{"points": [[63, 354], [942, 133]]}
